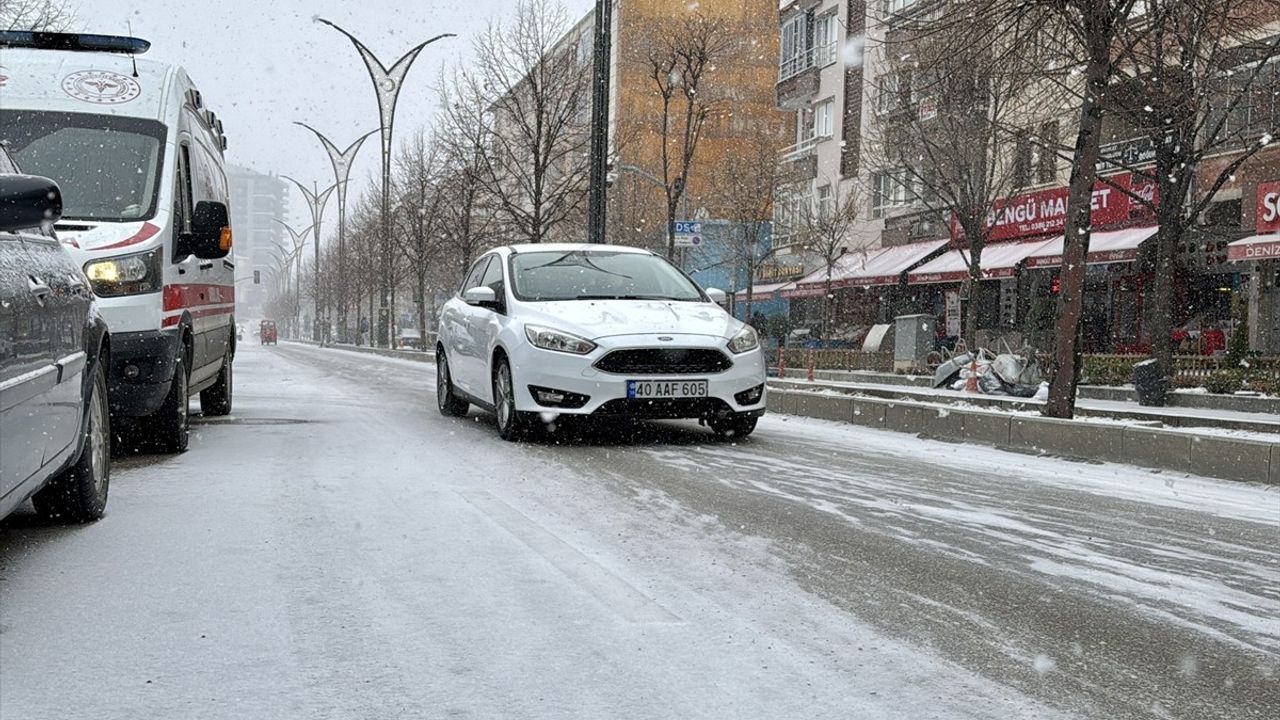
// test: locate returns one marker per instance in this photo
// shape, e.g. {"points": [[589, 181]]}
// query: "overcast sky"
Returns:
{"points": [[262, 64]]}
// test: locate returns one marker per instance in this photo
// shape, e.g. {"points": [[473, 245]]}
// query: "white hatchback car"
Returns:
{"points": [[539, 331]]}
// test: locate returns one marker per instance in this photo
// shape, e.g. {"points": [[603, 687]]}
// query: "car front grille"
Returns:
{"points": [[665, 409], [664, 361]]}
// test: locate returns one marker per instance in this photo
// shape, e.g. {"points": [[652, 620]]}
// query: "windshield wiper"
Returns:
{"points": [[626, 297], [581, 261]]}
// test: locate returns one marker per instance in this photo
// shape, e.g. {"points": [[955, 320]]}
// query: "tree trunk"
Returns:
{"points": [[1062, 390], [420, 300], [1173, 173], [976, 233]]}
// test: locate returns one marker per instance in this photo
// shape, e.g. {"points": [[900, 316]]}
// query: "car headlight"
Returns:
{"points": [[745, 340], [125, 275], [549, 339]]}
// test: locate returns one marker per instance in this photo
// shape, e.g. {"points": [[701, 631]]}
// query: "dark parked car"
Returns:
{"points": [[55, 435]]}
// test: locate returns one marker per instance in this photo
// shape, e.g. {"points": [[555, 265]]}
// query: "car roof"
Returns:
{"points": [[39, 79], [571, 247]]}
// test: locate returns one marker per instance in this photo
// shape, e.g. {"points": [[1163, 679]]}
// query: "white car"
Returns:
{"points": [[539, 331]]}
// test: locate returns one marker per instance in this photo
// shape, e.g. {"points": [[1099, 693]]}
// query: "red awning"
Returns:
{"points": [[766, 291], [867, 268], [999, 261], [1104, 247], [1258, 247]]}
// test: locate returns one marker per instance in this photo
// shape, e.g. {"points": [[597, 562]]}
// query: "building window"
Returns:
{"points": [[797, 46], [824, 118], [893, 7], [1249, 103], [889, 190], [806, 127], [824, 201], [889, 93], [825, 39]]}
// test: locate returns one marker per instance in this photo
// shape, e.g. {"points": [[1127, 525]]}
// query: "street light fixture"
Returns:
{"points": [[299, 242], [386, 84], [316, 201], [341, 161]]}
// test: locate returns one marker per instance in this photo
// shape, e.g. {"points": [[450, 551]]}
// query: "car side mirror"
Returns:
{"points": [[28, 201], [210, 231], [717, 296], [481, 296]]}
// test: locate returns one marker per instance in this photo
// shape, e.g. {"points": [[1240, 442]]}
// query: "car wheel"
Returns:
{"points": [[446, 398], [512, 424], [79, 494], [733, 426], [170, 427], [215, 400]]}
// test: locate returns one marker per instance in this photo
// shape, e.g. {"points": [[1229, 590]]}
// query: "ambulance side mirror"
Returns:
{"points": [[210, 231]]}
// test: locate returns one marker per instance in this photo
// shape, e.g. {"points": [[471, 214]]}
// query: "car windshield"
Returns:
{"points": [[108, 167], [598, 275]]}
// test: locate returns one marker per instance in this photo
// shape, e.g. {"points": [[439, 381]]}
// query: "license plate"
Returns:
{"points": [[654, 389]]}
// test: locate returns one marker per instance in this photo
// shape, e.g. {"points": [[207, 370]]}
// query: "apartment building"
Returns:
{"points": [[259, 203]]}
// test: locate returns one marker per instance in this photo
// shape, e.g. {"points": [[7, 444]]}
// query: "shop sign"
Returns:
{"points": [[1268, 211], [778, 271], [1126, 154], [953, 312], [1044, 212]]}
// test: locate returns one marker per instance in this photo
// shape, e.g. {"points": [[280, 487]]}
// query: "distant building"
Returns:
{"points": [[259, 203]]}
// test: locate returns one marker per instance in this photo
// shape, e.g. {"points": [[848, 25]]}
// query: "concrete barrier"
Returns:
{"points": [[1231, 458], [1217, 456]]}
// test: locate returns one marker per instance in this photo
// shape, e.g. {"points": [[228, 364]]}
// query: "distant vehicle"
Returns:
{"points": [[139, 158], [410, 339], [595, 330], [55, 427], [267, 332], [239, 332]]}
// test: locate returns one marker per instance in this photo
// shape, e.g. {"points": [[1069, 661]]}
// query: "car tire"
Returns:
{"points": [[446, 397], [215, 400], [513, 425], [733, 427], [79, 493], [170, 428]]}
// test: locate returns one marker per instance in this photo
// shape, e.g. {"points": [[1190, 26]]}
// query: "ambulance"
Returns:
{"points": [[140, 160]]}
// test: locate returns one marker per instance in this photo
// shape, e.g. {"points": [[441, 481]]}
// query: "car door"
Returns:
{"points": [[458, 318], [28, 373], [66, 307], [485, 325]]}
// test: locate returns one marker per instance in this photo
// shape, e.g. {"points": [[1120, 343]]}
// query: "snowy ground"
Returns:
{"points": [[336, 549]]}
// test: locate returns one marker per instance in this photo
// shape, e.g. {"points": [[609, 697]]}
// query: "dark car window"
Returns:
{"points": [[473, 277]]}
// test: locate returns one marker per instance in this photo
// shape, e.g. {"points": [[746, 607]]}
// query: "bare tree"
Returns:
{"points": [[1190, 84], [750, 180], [536, 125], [829, 230], [47, 15], [679, 55], [951, 113], [470, 211], [419, 215]]}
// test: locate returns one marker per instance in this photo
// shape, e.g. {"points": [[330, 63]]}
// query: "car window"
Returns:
{"points": [[6, 163], [473, 277], [492, 278]]}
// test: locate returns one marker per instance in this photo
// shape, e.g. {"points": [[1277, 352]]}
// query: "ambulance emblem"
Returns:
{"points": [[101, 87]]}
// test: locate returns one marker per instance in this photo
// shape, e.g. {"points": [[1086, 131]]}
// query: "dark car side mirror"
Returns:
{"points": [[28, 201], [210, 231]]}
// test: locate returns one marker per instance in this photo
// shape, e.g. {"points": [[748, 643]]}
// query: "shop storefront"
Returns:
{"points": [[1258, 257]]}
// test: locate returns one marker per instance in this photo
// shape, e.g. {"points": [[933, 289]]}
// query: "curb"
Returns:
{"points": [[422, 357], [1215, 456]]}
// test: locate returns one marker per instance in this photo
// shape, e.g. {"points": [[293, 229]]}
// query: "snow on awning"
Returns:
{"points": [[999, 261], [763, 292], [1104, 247], [1258, 247], [883, 266]]}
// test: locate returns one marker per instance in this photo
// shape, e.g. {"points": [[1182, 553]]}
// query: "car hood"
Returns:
{"points": [[595, 319]]}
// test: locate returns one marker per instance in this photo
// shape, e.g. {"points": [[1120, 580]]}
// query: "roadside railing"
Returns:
{"points": [[828, 359]]}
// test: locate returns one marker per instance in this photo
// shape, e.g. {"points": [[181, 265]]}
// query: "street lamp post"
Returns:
{"points": [[299, 242], [600, 121], [341, 161], [387, 84], [316, 200]]}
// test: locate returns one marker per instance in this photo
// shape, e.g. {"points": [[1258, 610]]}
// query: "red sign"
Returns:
{"points": [[1044, 212], [1268, 212]]}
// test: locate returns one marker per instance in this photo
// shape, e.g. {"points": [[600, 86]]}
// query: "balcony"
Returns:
{"points": [[798, 81], [799, 163]]}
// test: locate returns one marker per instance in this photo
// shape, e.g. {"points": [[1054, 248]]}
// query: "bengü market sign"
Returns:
{"points": [[1045, 212]]}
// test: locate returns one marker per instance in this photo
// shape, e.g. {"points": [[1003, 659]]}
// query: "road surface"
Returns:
{"points": [[337, 549]]}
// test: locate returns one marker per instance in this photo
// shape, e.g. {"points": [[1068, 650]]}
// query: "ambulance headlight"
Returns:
{"points": [[125, 275]]}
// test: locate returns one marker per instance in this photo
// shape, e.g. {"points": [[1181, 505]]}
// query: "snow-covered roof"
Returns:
{"points": [[1104, 247]]}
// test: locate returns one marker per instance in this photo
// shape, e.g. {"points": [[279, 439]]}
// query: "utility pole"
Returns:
{"points": [[596, 214]]}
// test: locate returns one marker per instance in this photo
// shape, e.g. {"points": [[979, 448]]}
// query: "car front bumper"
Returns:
{"points": [[589, 391]]}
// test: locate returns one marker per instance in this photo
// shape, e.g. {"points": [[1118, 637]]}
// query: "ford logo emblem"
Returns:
{"points": [[665, 338]]}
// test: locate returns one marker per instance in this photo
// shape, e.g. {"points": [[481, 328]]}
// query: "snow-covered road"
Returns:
{"points": [[337, 549]]}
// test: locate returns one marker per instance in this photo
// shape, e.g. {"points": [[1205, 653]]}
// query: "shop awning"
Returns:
{"points": [[998, 261], [767, 291], [1104, 247], [1258, 247], [881, 266]]}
